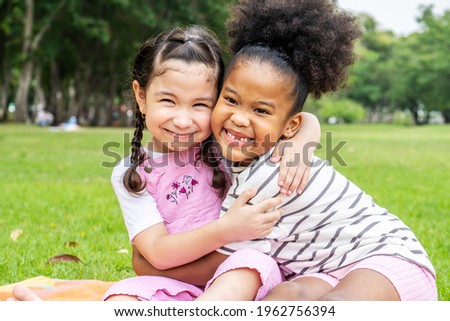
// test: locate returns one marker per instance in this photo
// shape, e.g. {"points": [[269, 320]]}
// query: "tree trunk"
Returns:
{"points": [[446, 116], [4, 10], [94, 110], [72, 101], [415, 115], [417, 118], [29, 47], [110, 99], [4, 94], [21, 101], [82, 89], [39, 96], [57, 99]]}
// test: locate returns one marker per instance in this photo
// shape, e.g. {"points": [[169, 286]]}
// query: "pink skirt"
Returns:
{"points": [[412, 282], [158, 288]]}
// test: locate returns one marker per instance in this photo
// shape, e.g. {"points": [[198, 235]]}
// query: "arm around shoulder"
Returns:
{"points": [[296, 154]]}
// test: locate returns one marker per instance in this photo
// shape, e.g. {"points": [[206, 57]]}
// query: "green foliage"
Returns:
{"points": [[433, 50], [89, 45], [338, 109], [403, 118], [56, 189], [86, 52], [369, 81], [404, 73]]}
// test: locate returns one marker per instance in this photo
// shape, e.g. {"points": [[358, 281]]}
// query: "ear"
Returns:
{"points": [[139, 94], [292, 125]]}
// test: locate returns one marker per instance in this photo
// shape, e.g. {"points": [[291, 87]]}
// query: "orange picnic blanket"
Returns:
{"points": [[50, 289]]}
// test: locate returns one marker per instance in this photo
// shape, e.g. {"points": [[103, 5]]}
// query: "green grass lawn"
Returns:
{"points": [[54, 187]]}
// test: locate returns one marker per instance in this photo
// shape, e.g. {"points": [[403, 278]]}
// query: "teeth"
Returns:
{"points": [[243, 139]]}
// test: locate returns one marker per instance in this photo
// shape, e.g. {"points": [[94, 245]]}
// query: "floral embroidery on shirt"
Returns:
{"points": [[185, 187]]}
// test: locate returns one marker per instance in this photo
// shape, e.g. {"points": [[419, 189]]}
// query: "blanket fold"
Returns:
{"points": [[50, 289]]}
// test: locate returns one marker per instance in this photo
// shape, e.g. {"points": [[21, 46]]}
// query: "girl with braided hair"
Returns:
{"points": [[332, 241], [175, 184], [178, 175], [170, 190]]}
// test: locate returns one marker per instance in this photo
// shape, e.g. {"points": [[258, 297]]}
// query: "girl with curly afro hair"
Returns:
{"points": [[332, 242]]}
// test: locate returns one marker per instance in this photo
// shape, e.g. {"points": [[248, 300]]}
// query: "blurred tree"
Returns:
{"points": [[31, 40], [72, 57], [369, 81], [403, 73], [11, 15], [340, 110], [435, 50], [80, 56], [420, 67]]}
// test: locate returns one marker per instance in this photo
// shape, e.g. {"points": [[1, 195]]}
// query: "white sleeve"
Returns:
{"points": [[139, 211]]}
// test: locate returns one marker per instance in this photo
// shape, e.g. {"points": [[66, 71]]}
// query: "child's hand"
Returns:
{"points": [[247, 222], [295, 166]]}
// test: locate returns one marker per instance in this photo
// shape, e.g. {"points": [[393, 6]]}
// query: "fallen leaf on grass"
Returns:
{"points": [[64, 258], [72, 243], [122, 251], [14, 235]]}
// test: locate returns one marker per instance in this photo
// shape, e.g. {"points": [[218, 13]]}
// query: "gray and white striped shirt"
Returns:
{"points": [[332, 224]]}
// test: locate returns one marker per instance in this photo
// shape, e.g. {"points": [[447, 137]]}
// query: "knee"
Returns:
{"points": [[333, 296], [288, 291], [121, 297]]}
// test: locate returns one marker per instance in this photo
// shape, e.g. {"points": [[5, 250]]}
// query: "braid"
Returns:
{"points": [[209, 156], [132, 180], [193, 44]]}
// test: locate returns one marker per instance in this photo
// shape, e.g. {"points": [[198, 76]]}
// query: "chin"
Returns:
{"points": [[178, 147], [236, 156]]}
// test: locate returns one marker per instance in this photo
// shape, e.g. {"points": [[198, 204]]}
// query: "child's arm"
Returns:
{"points": [[296, 154], [197, 272], [241, 222]]}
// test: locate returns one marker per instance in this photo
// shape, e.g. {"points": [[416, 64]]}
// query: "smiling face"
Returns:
{"points": [[177, 105], [253, 111]]}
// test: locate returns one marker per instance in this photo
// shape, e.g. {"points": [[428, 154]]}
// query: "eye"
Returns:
{"points": [[230, 100], [202, 106], [261, 111], [168, 101]]}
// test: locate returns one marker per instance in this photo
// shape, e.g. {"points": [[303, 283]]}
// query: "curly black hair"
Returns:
{"points": [[314, 37]]}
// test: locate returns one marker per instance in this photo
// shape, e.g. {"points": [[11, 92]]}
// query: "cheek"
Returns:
{"points": [[214, 120], [218, 116], [204, 121], [269, 133]]}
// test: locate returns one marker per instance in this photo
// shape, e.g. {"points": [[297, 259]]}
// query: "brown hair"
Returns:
{"points": [[191, 44]]}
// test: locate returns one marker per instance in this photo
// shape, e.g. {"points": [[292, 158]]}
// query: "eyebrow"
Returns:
{"points": [[232, 91], [164, 93], [167, 93], [261, 102]]}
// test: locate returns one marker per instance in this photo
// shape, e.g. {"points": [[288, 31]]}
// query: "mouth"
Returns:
{"points": [[180, 136], [236, 139]]}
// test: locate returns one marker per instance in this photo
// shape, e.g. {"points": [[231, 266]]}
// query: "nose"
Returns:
{"points": [[240, 119], [182, 119]]}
